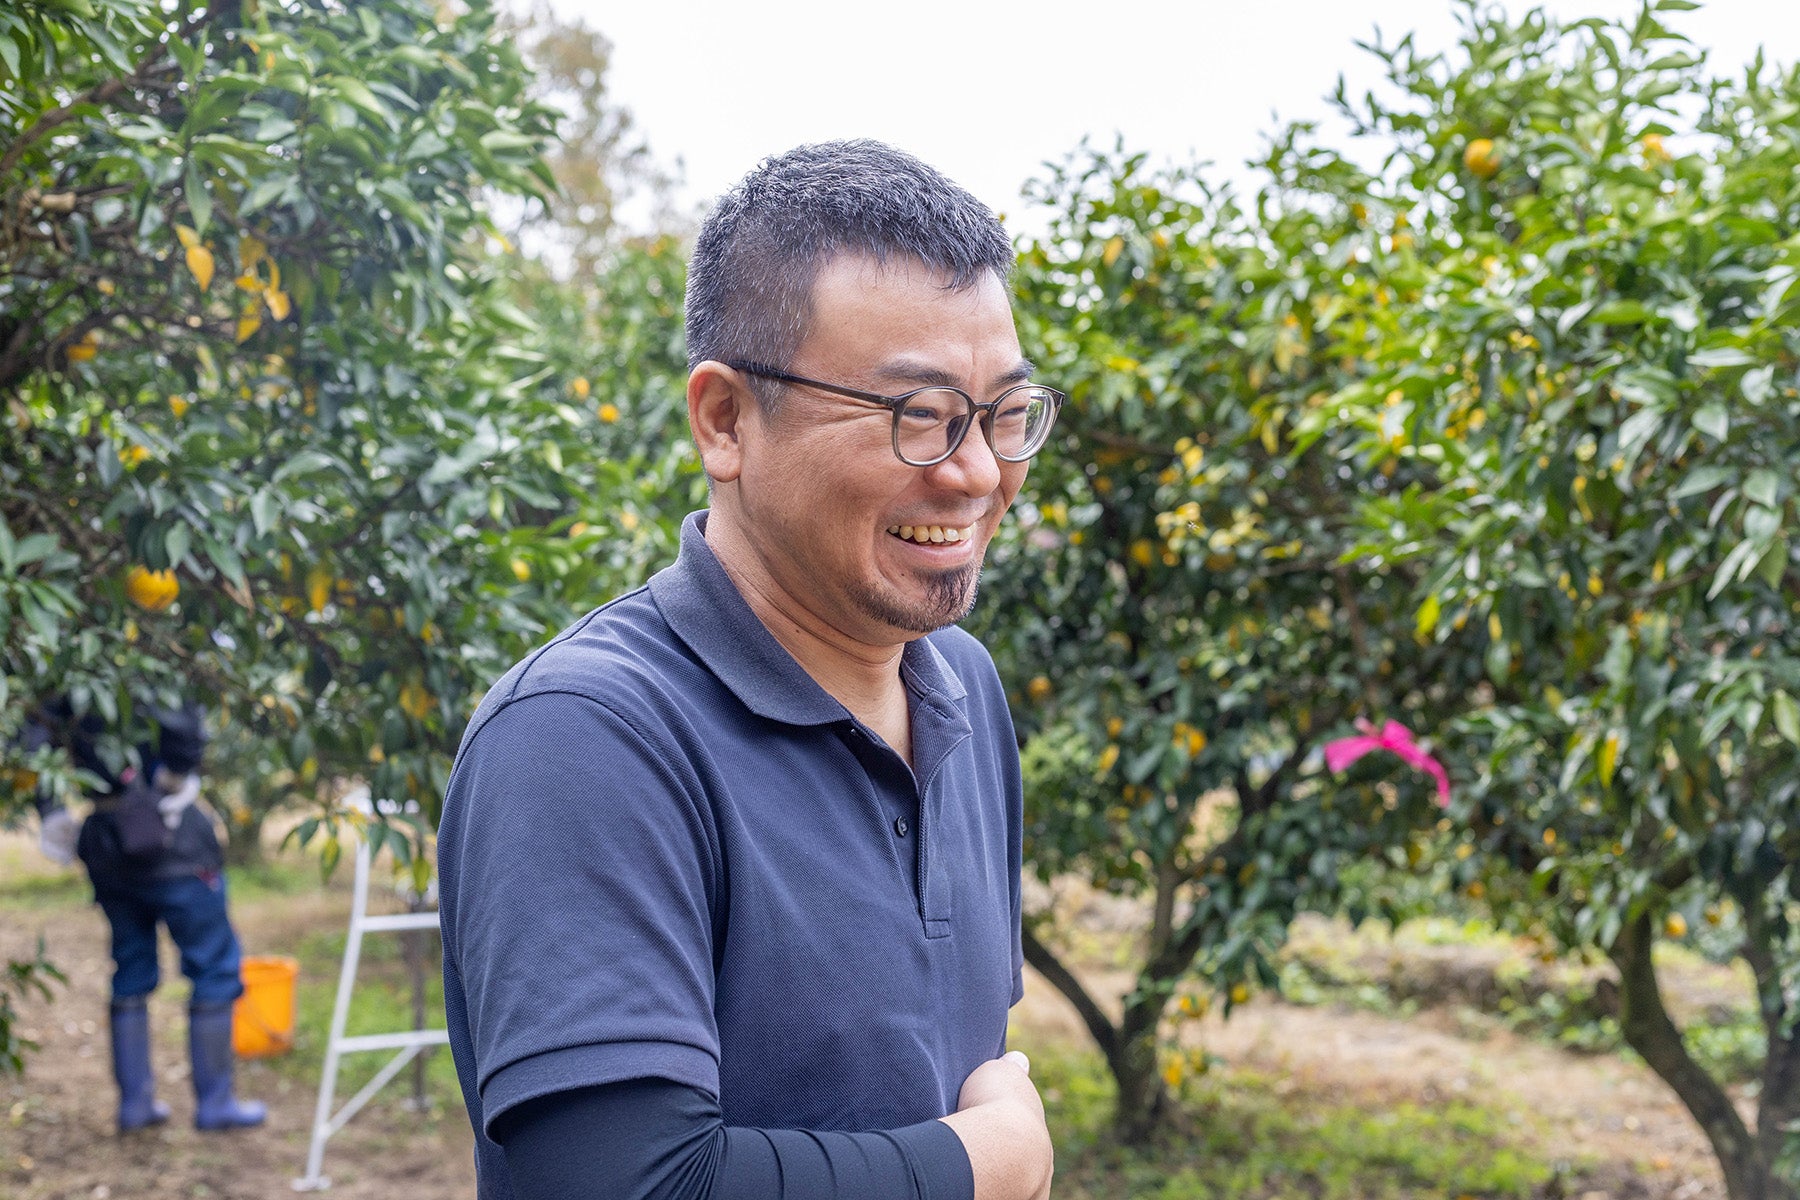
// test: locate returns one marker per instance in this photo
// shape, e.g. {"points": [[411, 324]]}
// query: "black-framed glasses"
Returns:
{"points": [[931, 422]]}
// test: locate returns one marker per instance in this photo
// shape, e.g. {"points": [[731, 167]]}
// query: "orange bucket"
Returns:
{"points": [[262, 1021]]}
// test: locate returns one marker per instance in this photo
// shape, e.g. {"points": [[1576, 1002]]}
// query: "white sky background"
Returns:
{"points": [[988, 90]]}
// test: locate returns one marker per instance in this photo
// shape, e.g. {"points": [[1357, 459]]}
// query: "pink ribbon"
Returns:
{"points": [[1395, 738]]}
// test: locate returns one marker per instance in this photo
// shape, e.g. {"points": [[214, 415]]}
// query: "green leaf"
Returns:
{"points": [[264, 511], [1736, 566], [265, 192], [358, 94], [1701, 479], [176, 543], [1143, 764], [1772, 566], [199, 202], [30, 549], [505, 141], [1498, 660], [1723, 357], [1762, 486], [226, 559], [1621, 312], [1712, 420], [1787, 716]]}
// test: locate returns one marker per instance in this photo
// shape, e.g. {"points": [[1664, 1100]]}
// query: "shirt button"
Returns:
{"points": [[900, 826]]}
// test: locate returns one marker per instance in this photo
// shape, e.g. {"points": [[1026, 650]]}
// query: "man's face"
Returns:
{"points": [[823, 497]]}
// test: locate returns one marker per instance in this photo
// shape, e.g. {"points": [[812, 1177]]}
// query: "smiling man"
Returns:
{"points": [[730, 869]]}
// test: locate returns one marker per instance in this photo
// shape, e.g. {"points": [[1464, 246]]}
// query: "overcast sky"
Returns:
{"points": [[988, 91]]}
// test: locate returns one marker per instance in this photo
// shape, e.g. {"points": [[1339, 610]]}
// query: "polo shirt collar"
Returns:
{"points": [[706, 611]]}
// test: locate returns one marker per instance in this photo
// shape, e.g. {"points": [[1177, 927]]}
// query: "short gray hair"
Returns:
{"points": [[750, 283]]}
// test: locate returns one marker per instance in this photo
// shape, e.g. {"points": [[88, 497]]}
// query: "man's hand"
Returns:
{"points": [[1000, 1120]]}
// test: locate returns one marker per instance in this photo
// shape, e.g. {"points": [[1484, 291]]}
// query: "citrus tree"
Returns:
{"points": [[280, 435], [1176, 604], [255, 364], [1589, 372]]}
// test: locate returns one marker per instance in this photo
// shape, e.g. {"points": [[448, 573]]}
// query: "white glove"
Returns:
{"points": [[56, 836], [178, 791]]}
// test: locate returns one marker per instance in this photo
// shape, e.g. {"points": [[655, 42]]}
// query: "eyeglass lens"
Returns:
{"points": [[931, 423]]}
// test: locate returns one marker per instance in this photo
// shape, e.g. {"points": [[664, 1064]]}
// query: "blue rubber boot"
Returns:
{"points": [[138, 1106], [209, 1045]]}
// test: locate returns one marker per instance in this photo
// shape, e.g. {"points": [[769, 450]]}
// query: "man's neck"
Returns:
{"points": [[863, 677]]}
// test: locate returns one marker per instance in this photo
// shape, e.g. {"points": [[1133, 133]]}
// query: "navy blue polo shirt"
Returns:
{"points": [[667, 852]]}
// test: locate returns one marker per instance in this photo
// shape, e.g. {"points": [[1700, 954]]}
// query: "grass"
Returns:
{"points": [[28, 881], [381, 1003], [1239, 1137], [24, 892]]}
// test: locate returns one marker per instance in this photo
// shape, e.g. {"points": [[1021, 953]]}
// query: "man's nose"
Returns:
{"points": [[974, 469]]}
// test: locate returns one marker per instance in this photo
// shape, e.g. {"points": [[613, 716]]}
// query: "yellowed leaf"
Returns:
{"points": [[318, 588], [1428, 614], [1114, 247], [247, 325], [188, 238], [200, 262], [1608, 759]]}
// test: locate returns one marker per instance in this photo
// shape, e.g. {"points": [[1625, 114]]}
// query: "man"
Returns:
{"points": [[153, 858], [730, 869]]}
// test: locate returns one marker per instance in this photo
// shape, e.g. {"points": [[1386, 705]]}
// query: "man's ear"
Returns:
{"points": [[719, 403]]}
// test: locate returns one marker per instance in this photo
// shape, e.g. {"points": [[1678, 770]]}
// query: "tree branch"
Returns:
{"points": [[1044, 961]]}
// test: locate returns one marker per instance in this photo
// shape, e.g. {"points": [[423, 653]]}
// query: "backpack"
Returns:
{"points": [[142, 835]]}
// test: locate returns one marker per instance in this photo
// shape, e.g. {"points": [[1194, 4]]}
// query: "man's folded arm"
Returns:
{"points": [[655, 1139]]}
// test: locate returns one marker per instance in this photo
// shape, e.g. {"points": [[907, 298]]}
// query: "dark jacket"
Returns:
{"points": [[125, 839]]}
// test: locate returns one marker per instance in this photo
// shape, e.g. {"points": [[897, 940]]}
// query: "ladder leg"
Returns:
{"points": [[340, 1015]]}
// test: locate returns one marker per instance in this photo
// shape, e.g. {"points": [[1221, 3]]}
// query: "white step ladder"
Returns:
{"points": [[409, 1042]]}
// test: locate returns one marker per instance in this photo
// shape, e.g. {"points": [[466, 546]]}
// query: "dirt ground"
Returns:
{"points": [[57, 1140]]}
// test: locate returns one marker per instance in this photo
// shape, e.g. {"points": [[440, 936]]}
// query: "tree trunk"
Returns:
{"points": [[1778, 1105], [245, 849], [1143, 1100], [1129, 1048], [1647, 1029]]}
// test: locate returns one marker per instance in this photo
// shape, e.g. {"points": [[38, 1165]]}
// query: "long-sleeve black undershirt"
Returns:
{"points": [[654, 1139]]}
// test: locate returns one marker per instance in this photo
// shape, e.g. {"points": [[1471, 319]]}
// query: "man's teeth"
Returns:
{"points": [[931, 533]]}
